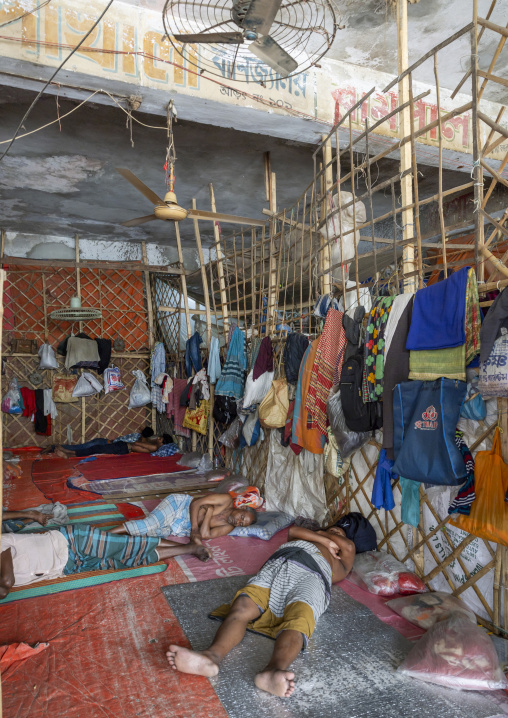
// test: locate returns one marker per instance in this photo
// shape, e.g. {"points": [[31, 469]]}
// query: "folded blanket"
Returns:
{"points": [[430, 365], [438, 320]]}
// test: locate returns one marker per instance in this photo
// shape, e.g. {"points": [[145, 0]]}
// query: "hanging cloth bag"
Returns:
{"points": [[63, 387], [197, 419], [140, 393], [425, 416], [48, 358], [274, 408], [489, 511]]}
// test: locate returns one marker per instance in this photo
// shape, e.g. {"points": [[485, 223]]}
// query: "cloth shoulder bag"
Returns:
{"points": [[274, 408], [425, 417], [63, 387]]}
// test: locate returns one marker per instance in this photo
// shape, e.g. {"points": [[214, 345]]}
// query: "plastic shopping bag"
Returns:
{"points": [[48, 358], [489, 511], [273, 410], [457, 654], [140, 393], [380, 573], [93, 381], [12, 403], [112, 379], [83, 388], [425, 610]]}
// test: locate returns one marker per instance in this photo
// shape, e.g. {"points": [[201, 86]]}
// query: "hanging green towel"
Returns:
{"points": [[410, 507], [430, 364]]}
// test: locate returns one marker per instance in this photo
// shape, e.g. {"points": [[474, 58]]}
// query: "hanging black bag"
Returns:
{"points": [[359, 415], [359, 530]]}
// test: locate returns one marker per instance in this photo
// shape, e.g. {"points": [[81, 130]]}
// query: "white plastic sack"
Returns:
{"points": [[83, 387], [140, 393], [48, 358], [494, 372], [255, 391], [93, 381], [294, 484], [333, 229]]}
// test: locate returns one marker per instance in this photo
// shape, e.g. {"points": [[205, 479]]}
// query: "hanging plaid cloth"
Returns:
{"points": [[374, 366], [330, 348], [461, 504]]}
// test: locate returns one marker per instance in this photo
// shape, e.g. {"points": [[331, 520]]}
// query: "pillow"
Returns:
{"points": [[424, 610], [267, 525], [457, 654]]}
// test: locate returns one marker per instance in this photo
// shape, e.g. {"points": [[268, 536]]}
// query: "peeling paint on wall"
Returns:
{"points": [[49, 174]]}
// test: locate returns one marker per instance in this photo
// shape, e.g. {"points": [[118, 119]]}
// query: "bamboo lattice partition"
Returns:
{"points": [[267, 281]]}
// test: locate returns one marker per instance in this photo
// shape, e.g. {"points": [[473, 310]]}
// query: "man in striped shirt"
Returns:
{"points": [[283, 601], [30, 557]]}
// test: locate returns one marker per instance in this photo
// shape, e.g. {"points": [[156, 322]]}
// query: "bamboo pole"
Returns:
{"points": [[204, 279], [149, 309], [78, 292], [477, 169], [440, 172], [405, 130], [272, 272], [220, 267], [325, 256], [194, 440]]}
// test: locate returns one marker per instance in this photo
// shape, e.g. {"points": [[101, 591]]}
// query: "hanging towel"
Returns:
{"points": [[294, 350], [264, 360], [104, 347], [439, 313], [82, 352], [495, 319], [232, 379], [193, 354], [473, 317], [42, 424], [49, 405], [331, 346], [435, 363], [396, 371], [28, 396], [374, 366], [410, 504], [461, 504], [214, 368], [382, 494], [174, 410], [304, 433]]}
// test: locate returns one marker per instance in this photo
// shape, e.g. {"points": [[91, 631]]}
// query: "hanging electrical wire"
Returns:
{"points": [[25, 14], [41, 92]]}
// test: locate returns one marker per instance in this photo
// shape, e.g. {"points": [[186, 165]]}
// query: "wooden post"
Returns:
{"points": [[204, 280], [149, 308], [2, 280], [408, 253], [78, 292], [220, 267], [271, 308], [325, 256]]}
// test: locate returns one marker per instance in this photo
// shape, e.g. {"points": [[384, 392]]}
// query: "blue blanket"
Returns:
{"points": [[438, 320]]}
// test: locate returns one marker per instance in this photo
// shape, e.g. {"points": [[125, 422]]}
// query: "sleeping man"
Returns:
{"points": [[202, 517], [31, 557], [141, 446], [283, 601]]}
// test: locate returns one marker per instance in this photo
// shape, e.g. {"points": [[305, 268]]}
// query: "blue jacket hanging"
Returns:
{"points": [[425, 417]]}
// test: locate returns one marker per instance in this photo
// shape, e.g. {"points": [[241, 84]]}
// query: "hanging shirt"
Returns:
{"points": [[36, 557]]}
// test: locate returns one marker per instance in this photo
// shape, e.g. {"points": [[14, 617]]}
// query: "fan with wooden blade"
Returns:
{"points": [[169, 209]]}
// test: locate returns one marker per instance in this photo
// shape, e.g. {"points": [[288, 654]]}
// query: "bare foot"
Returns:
{"points": [[278, 683], [187, 661], [202, 553], [62, 453]]}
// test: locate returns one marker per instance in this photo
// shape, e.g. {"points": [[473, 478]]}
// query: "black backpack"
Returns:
{"points": [[359, 416], [359, 530]]}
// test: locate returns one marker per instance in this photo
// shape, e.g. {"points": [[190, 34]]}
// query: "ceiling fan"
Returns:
{"points": [[288, 36], [169, 209]]}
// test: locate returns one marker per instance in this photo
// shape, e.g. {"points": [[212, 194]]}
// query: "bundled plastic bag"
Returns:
{"points": [[231, 483], [231, 437], [91, 379], [273, 410], [48, 358], [494, 372], [12, 403], [380, 573], [488, 518], [83, 388], [347, 441], [246, 496], [140, 393], [256, 390], [457, 654], [112, 379], [190, 459], [425, 610]]}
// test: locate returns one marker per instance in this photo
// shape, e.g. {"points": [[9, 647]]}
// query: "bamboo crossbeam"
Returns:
{"points": [[425, 57], [51, 264], [494, 174], [491, 123], [493, 78], [468, 73], [493, 26], [496, 224]]}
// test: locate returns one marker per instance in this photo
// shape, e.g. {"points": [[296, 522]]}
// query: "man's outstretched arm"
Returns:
{"points": [[33, 515], [6, 573]]}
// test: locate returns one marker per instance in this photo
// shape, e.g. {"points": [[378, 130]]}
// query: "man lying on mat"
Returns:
{"points": [[142, 446], [145, 433], [203, 517], [27, 558], [283, 601]]}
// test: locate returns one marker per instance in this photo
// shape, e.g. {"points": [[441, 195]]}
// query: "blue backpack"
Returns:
{"points": [[425, 416]]}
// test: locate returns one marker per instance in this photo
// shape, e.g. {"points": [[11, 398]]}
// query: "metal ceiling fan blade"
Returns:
{"points": [[139, 220], [260, 15], [229, 38], [273, 55], [219, 217], [130, 177]]}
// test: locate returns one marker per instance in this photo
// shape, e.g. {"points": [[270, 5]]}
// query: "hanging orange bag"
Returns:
{"points": [[489, 511]]}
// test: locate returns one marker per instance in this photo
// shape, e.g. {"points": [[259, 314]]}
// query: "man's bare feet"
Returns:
{"points": [[187, 661], [202, 553], [62, 453], [278, 683]]}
